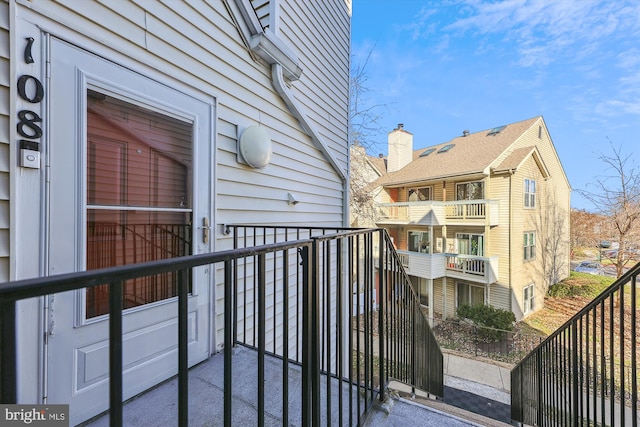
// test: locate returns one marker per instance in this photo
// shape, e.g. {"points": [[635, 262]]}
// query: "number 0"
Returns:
{"points": [[22, 89]]}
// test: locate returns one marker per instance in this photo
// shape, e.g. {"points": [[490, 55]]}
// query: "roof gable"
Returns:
{"points": [[474, 153], [517, 158]]}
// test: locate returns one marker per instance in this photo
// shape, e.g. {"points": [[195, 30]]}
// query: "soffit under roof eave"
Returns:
{"points": [[466, 176]]}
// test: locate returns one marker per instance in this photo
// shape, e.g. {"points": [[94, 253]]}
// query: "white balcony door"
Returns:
{"points": [[130, 181], [470, 244]]}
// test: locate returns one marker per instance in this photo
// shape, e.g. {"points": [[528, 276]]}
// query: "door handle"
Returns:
{"points": [[205, 230]]}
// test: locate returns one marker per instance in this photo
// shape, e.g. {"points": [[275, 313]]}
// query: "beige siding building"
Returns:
{"points": [[480, 219]]}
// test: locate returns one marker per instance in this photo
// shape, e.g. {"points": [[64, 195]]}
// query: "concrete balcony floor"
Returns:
{"points": [[479, 386]]}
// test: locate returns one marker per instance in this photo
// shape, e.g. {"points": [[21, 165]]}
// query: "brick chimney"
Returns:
{"points": [[400, 149]]}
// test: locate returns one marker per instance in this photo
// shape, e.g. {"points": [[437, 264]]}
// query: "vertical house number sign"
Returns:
{"points": [[30, 89]]}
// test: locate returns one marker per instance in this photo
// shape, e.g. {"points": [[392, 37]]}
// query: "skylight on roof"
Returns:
{"points": [[497, 130], [427, 152], [446, 148]]}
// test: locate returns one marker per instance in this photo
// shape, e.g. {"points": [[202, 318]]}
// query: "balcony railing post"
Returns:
{"points": [[574, 370], [381, 307], [315, 332], [310, 347], [8, 360], [228, 341], [115, 353], [261, 335], [183, 349]]}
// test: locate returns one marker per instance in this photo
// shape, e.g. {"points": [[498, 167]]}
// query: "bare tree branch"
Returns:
{"points": [[617, 196]]}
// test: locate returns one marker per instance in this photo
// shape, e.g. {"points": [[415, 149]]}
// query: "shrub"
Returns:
{"points": [[580, 285], [497, 319]]}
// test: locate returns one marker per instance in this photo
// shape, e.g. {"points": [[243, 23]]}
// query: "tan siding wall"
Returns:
{"points": [[498, 241], [500, 295], [437, 296], [5, 82], [553, 194]]}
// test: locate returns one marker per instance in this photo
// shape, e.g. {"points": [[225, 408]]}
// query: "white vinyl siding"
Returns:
{"points": [[5, 99], [195, 47], [321, 30], [262, 8]]}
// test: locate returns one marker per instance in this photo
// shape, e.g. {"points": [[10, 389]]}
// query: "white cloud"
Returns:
{"points": [[545, 29]]}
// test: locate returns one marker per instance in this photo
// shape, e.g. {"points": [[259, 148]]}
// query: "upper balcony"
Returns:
{"points": [[437, 213], [468, 267]]}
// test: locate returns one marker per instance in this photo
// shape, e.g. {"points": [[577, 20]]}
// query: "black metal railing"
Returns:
{"points": [[333, 306], [391, 338], [482, 341], [586, 372]]}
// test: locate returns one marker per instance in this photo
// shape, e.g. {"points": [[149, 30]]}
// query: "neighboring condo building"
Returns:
{"points": [[480, 219]]}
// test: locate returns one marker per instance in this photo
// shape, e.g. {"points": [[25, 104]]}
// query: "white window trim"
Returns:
{"points": [[416, 230], [484, 293], [458, 238], [430, 187], [529, 302], [524, 238], [467, 183], [529, 195]]}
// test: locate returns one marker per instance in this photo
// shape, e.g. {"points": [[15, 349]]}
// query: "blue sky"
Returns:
{"points": [[440, 67]]}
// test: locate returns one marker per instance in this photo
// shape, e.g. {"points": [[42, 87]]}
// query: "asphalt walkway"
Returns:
{"points": [[478, 386]]}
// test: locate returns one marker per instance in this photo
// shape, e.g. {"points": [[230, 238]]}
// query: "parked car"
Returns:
{"points": [[590, 267], [605, 244]]}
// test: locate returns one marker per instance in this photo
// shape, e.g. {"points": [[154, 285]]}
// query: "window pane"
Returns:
{"points": [[139, 180], [463, 294], [477, 295], [419, 241], [136, 157], [476, 191], [419, 194]]}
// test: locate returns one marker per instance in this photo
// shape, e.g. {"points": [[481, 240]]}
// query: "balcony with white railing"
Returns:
{"points": [[467, 267], [436, 213], [471, 267], [429, 266]]}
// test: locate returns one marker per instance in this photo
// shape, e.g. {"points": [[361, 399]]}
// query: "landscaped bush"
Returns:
{"points": [[497, 319]]}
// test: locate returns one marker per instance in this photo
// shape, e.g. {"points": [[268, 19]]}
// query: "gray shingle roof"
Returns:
{"points": [[471, 154]]}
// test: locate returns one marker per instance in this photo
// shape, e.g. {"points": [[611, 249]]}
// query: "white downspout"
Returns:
{"points": [[277, 79]]}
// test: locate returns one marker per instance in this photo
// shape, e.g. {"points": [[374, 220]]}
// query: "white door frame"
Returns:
{"points": [[145, 92]]}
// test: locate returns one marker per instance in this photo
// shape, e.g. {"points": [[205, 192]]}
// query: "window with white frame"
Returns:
{"points": [[529, 245], [420, 194], [529, 298], [470, 244], [468, 294], [422, 289], [418, 241], [470, 191], [529, 193]]}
